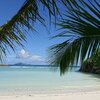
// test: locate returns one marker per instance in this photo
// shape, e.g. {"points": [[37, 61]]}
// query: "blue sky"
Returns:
{"points": [[36, 48]]}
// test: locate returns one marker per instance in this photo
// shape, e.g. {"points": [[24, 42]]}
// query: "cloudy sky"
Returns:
{"points": [[23, 56], [35, 50]]}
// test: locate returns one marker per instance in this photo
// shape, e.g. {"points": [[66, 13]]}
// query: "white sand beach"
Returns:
{"points": [[67, 96], [43, 84]]}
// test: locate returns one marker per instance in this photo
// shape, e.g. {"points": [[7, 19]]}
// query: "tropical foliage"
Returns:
{"points": [[81, 27], [13, 32], [95, 59], [92, 64], [80, 24]]}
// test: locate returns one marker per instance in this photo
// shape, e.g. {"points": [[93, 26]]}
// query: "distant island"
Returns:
{"points": [[17, 64], [3, 65], [22, 64]]}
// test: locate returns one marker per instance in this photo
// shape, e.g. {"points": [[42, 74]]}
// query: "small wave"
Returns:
{"points": [[37, 67]]}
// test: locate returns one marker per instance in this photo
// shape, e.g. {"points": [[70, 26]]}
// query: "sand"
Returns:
{"points": [[67, 96]]}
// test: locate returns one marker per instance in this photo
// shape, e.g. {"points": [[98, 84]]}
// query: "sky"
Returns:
{"points": [[35, 50]]}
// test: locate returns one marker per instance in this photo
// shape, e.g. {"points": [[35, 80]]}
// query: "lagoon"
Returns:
{"points": [[44, 79]]}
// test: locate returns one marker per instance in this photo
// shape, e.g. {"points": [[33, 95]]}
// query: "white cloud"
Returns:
{"points": [[23, 54], [36, 58]]}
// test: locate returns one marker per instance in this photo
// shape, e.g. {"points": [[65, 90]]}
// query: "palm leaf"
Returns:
{"points": [[81, 27], [13, 32]]}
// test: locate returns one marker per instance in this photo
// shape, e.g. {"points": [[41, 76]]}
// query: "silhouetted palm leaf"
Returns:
{"points": [[81, 27], [14, 30]]}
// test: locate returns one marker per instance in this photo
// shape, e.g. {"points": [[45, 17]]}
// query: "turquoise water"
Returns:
{"points": [[19, 79]]}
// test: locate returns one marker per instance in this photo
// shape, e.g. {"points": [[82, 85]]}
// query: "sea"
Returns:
{"points": [[44, 79]]}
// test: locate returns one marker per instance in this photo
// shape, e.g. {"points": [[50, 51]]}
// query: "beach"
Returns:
{"points": [[69, 96], [43, 83], [50, 50]]}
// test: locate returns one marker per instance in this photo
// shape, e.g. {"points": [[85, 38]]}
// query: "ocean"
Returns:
{"points": [[44, 79]]}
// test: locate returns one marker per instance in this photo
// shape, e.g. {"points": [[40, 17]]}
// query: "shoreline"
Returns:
{"points": [[40, 84], [50, 92], [94, 95]]}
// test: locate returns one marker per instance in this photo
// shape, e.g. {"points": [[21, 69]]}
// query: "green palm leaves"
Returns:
{"points": [[81, 27], [13, 32], [80, 24]]}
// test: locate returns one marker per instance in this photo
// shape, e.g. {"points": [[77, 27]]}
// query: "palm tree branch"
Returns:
{"points": [[83, 28], [13, 31]]}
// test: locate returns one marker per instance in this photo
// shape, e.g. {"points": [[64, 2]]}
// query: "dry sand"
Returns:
{"points": [[67, 96]]}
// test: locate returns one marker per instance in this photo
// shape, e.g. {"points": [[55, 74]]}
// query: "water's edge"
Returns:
{"points": [[44, 80]]}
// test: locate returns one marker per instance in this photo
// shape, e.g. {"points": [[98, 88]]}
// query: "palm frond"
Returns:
{"points": [[82, 24], [13, 32]]}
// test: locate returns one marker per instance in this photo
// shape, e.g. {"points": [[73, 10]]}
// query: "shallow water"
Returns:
{"points": [[39, 78]]}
